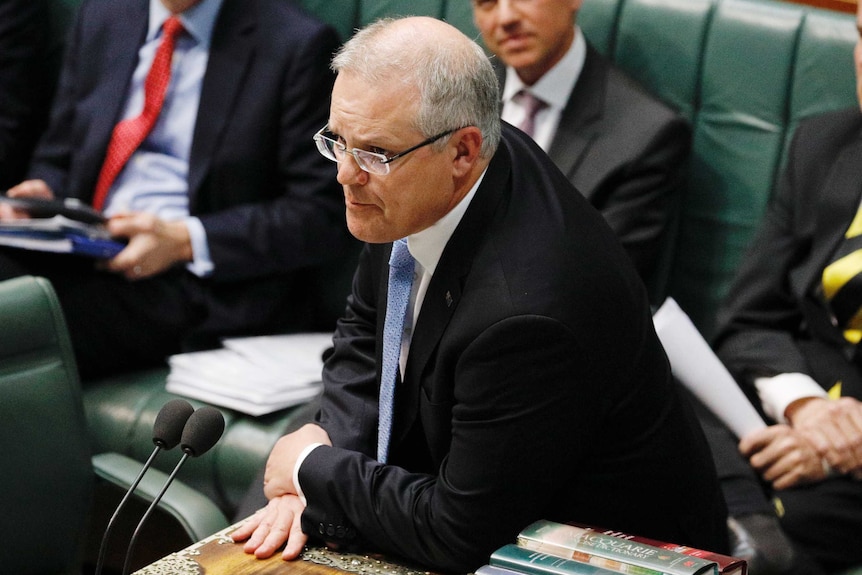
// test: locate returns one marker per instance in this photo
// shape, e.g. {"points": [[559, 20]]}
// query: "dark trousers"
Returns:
{"points": [[115, 324]]}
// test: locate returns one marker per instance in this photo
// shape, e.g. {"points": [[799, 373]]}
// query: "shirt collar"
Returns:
{"points": [[427, 246], [556, 85], [198, 21]]}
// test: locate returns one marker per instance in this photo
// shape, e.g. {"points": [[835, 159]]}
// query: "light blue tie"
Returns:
{"points": [[401, 266]]}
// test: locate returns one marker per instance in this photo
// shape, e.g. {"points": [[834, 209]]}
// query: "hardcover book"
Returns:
{"points": [[727, 565], [614, 553], [525, 561]]}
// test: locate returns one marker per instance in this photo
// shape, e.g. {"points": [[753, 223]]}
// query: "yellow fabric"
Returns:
{"points": [[839, 272], [835, 390]]}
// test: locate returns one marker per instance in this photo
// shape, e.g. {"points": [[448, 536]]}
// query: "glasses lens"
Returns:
{"points": [[371, 162], [326, 147]]}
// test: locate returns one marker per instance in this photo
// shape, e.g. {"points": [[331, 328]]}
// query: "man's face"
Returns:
{"points": [[857, 55], [419, 188], [528, 35]]}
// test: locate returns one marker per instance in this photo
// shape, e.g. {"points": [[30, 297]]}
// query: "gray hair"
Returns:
{"points": [[456, 82]]}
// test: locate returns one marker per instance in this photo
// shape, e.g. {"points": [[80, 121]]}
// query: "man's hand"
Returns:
{"points": [[154, 245], [782, 456], [278, 477], [26, 189], [269, 529], [834, 428]]}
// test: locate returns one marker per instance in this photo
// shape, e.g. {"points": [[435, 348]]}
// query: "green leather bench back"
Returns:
{"points": [[47, 480], [744, 72]]}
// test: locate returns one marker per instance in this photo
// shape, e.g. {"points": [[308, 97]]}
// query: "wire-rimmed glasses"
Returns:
{"points": [[371, 162]]}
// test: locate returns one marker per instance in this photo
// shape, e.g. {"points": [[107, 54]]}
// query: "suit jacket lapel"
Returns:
{"points": [[578, 124], [230, 52], [121, 46], [444, 290], [837, 208]]}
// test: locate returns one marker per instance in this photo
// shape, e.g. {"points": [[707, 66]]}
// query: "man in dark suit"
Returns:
{"points": [[784, 343], [789, 333], [623, 149], [226, 204], [530, 383]]}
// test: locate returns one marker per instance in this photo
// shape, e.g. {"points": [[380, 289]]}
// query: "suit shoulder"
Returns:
{"points": [[287, 21], [835, 127]]}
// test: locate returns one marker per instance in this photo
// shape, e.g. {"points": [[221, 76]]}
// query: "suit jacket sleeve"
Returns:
{"points": [[642, 195]]}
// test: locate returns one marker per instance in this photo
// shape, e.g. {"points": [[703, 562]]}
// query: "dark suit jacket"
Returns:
{"points": [[773, 321], [268, 201], [626, 152], [29, 63], [535, 388]]}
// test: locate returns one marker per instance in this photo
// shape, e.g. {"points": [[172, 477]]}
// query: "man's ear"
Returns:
{"points": [[467, 143]]}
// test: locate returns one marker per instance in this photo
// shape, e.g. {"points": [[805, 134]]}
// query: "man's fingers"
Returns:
{"points": [[247, 527]]}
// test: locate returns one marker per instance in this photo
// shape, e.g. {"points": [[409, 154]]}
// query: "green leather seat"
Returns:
{"points": [[47, 481]]}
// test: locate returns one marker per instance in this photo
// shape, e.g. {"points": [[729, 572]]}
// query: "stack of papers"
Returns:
{"points": [[253, 375], [59, 234]]}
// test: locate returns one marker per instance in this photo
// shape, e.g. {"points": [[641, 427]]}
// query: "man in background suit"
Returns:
{"points": [[528, 380], [226, 204], [624, 150], [789, 333]]}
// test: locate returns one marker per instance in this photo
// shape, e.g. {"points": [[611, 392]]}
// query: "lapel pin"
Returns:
{"points": [[448, 298]]}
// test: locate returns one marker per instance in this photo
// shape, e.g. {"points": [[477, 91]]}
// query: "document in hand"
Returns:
{"points": [[253, 375], [698, 368], [61, 235]]}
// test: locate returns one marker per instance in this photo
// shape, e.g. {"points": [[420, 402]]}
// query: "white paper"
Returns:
{"points": [[254, 375], [695, 364]]}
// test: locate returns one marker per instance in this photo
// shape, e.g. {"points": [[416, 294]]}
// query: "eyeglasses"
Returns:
{"points": [[371, 162]]}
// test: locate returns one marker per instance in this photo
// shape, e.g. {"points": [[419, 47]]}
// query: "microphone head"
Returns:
{"points": [[172, 418], [202, 431]]}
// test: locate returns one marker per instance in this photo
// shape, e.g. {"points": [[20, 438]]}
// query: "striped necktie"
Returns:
{"points": [[842, 282], [401, 267]]}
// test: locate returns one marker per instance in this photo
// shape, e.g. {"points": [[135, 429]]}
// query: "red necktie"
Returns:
{"points": [[128, 134]]}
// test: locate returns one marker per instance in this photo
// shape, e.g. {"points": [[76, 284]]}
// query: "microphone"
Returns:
{"points": [[167, 433], [202, 431]]}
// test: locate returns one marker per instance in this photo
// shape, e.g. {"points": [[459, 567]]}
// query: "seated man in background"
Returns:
{"points": [[509, 371], [624, 150], [789, 332], [223, 199], [29, 64]]}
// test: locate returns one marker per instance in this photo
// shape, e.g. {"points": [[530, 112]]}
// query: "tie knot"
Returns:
{"points": [[400, 256], [172, 27]]}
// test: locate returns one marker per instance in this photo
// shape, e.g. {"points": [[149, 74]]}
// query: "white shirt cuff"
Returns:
{"points": [[302, 455], [201, 264], [777, 392]]}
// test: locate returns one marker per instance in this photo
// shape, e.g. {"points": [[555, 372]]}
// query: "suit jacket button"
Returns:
{"points": [[321, 528], [330, 530]]}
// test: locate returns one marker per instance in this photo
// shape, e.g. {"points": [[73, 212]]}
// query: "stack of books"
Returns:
{"points": [[549, 548]]}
